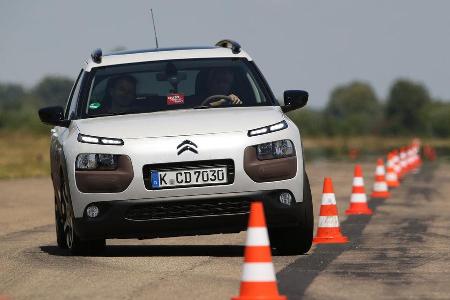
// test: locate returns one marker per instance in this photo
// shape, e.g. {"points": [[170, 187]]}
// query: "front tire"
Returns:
{"points": [[70, 239], [59, 226], [298, 239]]}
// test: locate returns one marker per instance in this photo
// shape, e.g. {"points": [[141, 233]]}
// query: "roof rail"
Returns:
{"points": [[96, 55], [233, 45]]}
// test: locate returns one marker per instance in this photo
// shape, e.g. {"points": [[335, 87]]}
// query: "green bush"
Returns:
{"points": [[436, 117], [310, 122], [19, 107], [353, 110]]}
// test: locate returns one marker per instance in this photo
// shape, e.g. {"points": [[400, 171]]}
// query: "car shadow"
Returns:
{"points": [[157, 250]]}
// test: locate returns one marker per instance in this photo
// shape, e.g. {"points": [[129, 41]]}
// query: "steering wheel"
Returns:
{"points": [[214, 97]]}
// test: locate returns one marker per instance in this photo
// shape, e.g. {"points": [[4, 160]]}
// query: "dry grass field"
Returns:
{"points": [[24, 155]]}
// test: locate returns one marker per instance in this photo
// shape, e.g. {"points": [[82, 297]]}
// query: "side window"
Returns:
{"points": [[259, 95], [72, 102]]}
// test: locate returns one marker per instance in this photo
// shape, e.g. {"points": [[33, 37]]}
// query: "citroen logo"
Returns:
{"points": [[187, 145]]}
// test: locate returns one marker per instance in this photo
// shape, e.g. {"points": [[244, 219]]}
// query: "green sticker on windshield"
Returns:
{"points": [[94, 105]]}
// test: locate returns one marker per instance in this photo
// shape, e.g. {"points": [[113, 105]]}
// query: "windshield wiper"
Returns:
{"points": [[112, 114], [202, 107]]}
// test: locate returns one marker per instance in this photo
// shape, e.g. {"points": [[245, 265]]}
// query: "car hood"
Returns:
{"points": [[181, 122]]}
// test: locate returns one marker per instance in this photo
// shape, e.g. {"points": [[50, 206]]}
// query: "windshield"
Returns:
{"points": [[175, 84]]}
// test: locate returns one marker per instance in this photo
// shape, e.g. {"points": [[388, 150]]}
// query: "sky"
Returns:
{"points": [[311, 45]]}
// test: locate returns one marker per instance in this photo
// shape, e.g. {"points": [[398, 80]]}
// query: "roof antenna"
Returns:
{"points": [[154, 28]]}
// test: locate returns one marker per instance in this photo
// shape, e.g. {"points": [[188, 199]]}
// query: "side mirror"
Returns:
{"points": [[53, 115], [294, 99]]}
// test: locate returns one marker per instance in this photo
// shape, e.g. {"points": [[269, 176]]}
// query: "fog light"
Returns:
{"points": [[286, 198], [92, 211]]}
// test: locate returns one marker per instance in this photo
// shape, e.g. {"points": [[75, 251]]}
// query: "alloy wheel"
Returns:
{"points": [[67, 215]]}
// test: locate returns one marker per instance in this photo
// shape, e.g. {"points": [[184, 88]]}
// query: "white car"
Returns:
{"points": [[169, 142]]}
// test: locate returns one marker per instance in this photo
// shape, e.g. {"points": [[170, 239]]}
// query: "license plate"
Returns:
{"points": [[191, 177]]}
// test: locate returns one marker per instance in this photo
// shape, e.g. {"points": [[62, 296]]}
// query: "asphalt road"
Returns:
{"points": [[402, 251]]}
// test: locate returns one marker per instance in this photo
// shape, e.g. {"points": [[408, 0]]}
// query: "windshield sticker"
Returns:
{"points": [[174, 99], [94, 105]]}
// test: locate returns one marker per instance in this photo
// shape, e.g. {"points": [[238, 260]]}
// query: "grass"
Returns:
{"points": [[23, 154]]}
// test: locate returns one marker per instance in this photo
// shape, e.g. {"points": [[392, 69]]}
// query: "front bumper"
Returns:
{"points": [[155, 151], [149, 219]]}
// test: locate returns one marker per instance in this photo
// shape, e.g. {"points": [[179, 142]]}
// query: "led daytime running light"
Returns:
{"points": [[99, 140], [268, 129]]}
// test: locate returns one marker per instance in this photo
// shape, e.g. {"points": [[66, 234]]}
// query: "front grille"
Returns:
{"points": [[199, 164], [187, 209]]}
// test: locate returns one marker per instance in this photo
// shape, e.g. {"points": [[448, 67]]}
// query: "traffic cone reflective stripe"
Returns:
{"points": [[380, 188], [258, 276], [259, 272], [328, 230], [257, 245], [380, 171], [391, 180], [331, 222], [358, 186], [358, 199]]}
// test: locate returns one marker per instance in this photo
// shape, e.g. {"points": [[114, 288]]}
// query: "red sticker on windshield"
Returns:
{"points": [[173, 99]]}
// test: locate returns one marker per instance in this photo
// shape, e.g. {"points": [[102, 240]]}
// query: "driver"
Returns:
{"points": [[122, 92], [120, 97], [220, 82]]}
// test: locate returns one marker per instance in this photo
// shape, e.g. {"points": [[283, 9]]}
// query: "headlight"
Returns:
{"points": [[96, 161], [268, 129], [82, 138], [277, 149]]}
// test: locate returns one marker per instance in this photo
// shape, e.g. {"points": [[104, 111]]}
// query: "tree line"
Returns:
{"points": [[19, 105], [353, 109]]}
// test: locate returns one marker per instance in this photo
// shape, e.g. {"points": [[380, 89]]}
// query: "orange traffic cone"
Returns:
{"points": [[380, 188], [415, 157], [358, 200], [410, 158], [397, 167], [328, 230], [417, 161], [391, 175], [403, 162], [416, 143], [258, 278]]}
